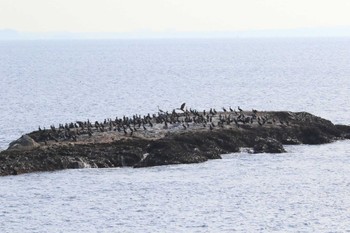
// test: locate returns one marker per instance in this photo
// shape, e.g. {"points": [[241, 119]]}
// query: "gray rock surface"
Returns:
{"points": [[23, 143]]}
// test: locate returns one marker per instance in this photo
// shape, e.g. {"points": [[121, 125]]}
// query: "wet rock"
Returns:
{"points": [[76, 163], [313, 135], [291, 141], [268, 145], [345, 131], [167, 151]]}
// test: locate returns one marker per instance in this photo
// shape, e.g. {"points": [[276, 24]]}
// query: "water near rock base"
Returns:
{"points": [[304, 190]]}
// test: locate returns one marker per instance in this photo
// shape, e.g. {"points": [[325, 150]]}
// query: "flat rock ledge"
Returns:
{"points": [[174, 144]]}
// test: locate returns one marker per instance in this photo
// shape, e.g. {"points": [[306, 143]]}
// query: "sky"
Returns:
{"points": [[124, 16]]}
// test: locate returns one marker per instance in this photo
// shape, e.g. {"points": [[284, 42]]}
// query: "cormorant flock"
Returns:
{"points": [[178, 119]]}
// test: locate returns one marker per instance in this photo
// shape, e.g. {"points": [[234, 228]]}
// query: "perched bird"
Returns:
{"points": [[182, 107], [240, 109], [160, 110]]}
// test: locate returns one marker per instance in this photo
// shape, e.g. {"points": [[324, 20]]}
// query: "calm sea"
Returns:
{"points": [[52, 82]]}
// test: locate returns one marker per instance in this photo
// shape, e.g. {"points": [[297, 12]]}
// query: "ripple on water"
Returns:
{"points": [[305, 189]]}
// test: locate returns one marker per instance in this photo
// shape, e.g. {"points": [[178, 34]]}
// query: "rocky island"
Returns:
{"points": [[176, 137]]}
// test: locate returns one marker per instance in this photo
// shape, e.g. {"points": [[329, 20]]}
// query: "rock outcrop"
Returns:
{"points": [[268, 145], [23, 143], [161, 140]]}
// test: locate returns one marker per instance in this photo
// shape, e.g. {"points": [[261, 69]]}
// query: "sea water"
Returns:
{"points": [[52, 82]]}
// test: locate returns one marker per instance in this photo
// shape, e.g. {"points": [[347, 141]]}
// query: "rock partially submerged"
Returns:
{"points": [[268, 145], [164, 139]]}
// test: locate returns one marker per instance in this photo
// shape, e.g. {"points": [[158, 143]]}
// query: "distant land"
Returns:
{"points": [[10, 34]]}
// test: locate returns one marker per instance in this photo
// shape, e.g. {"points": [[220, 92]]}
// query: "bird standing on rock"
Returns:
{"points": [[182, 107], [160, 110]]}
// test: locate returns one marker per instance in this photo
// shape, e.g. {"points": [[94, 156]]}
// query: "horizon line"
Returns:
{"points": [[338, 31]]}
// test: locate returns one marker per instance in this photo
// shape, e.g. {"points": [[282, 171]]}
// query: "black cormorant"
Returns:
{"points": [[182, 106]]}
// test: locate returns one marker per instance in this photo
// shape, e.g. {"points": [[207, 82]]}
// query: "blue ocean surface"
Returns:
{"points": [[52, 82]]}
